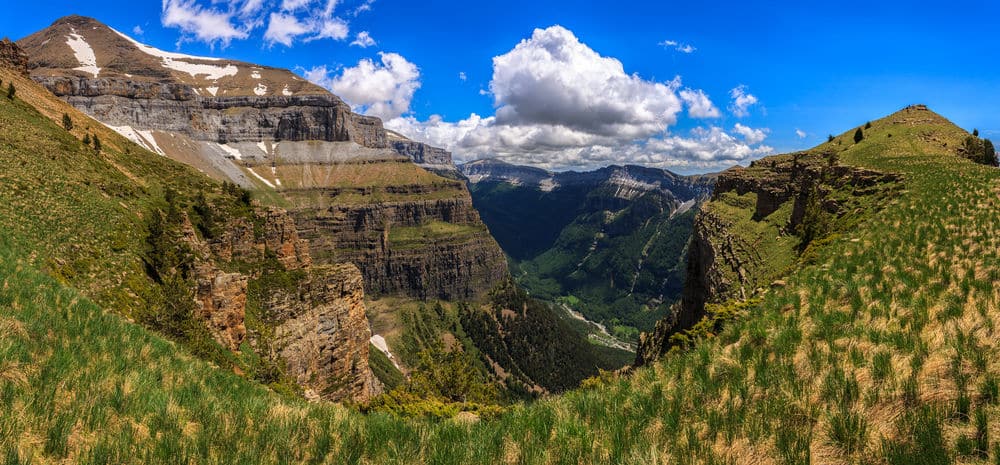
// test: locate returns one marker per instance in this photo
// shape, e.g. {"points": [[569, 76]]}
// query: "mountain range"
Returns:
{"points": [[210, 261]]}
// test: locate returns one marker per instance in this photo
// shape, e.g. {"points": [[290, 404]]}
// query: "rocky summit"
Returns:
{"points": [[359, 193]]}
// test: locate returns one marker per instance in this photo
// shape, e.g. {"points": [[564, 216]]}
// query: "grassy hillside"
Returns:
{"points": [[881, 350]]}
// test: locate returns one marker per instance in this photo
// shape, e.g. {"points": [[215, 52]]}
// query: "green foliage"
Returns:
{"points": [[11, 91], [858, 136], [849, 431], [67, 122], [383, 368], [829, 138], [86, 139], [989, 154], [975, 133], [868, 125], [97, 144]]}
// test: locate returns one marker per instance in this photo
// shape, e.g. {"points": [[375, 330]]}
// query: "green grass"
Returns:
{"points": [[787, 383], [407, 237]]}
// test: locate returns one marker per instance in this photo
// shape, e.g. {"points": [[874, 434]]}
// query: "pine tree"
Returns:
{"points": [[858, 136], [97, 144], [829, 138], [868, 125], [975, 133], [67, 122], [989, 153], [86, 139], [10, 91]]}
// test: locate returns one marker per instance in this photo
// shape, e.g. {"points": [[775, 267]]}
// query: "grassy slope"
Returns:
{"points": [[895, 317]]}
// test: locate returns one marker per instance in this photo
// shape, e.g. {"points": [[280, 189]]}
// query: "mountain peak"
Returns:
{"points": [[82, 47]]}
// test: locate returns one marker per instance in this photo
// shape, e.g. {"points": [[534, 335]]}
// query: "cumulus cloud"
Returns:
{"points": [[752, 136], [462, 76], [554, 79], [742, 101], [698, 103], [287, 21], [683, 48], [363, 40], [561, 105], [208, 25], [384, 89], [802, 134], [137, 30]]}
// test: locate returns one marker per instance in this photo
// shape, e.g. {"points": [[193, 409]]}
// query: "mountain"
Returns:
{"points": [[325, 201], [861, 330], [608, 243], [354, 197]]}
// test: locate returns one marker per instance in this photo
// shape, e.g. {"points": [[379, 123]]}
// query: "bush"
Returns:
{"points": [[97, 143], [858, 136], [11, 91], [67, 122], [868, 125]]}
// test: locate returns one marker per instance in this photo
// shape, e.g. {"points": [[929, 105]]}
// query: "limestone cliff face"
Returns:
{"points": [[726, 262], [177, 108], [324, 335], [394, 245], [320, 329]]}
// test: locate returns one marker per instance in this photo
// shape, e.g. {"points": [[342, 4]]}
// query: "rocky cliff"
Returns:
{"points": [[316, 327], [759, 221], [13, 57], [409, 231]]}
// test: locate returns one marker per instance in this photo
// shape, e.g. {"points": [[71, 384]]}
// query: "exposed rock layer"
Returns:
{"points": [[723, 264]]}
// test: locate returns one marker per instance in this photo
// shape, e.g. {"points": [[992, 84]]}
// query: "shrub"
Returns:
{"points": [[97, 143], [989, 153], [868, 125], [858, 136], [829, 138], [975, 133], [86, 139], [67, 122], [11, 91]]}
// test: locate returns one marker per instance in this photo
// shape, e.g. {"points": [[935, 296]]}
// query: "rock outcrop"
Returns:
{"points": [[396, 246], [324, 336], [175, 107], [726, 263], [12, 57], [421, 153], [318, 328]]}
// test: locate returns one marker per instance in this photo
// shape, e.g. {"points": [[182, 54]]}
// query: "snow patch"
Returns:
{"points": [[84, 53], [262, 147], [255, 74], [265, 181], [261, 89], [286, 92], [274, 174], [231, 151], [379, 342], [175, 61], [547, 185], [212, 90], [150, 141]]}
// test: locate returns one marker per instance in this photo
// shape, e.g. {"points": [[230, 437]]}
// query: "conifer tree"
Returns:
{"points": [[86, 139], [868, 125], [975, 133], [10, 91], [989, 153], [67, 122], [97, 144], [858, 136]]}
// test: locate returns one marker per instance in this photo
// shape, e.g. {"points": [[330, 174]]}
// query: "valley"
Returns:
{"points": [[212, 261]]}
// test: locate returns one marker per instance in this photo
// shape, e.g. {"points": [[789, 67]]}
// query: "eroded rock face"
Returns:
{"points": [[222, 299], [722, 264], [463, 265], [324, 334], [177, 108], [320, 326], [12, 57], [422, 153]]}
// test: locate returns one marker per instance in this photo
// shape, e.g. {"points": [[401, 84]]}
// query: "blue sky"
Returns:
{"points": [[558, 100]]}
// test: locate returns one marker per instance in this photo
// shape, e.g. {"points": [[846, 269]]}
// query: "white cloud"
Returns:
{"points": [[208, 25], [752, 136], [287, 21], [363, 40], [742, 101], [554, 79], [462, 76], [137, 30], [379, 89], [699, 105], [802, 134], [284, 28], [561, 105], [683, 48]]}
